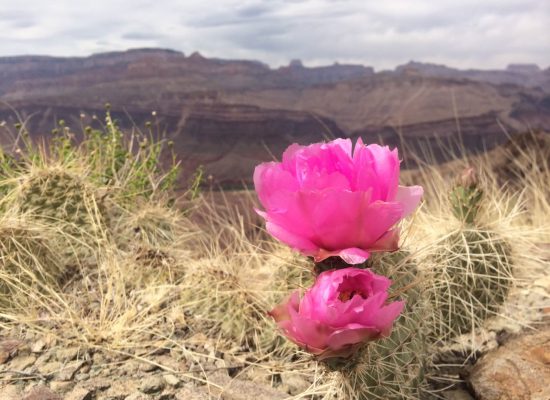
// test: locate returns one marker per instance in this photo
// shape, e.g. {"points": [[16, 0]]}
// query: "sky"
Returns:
{"points": [[481, 34]]}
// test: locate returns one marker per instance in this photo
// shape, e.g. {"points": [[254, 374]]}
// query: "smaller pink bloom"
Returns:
{"points": [[344, 308]]}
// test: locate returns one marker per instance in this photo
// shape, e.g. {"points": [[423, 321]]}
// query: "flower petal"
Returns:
{"points": [[386, 315], [350, 335], [409, 197], [269, 180], [389, 241], [296, 241], [352, 255]]}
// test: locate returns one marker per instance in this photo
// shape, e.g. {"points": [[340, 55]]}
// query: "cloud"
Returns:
{"points": [[469, 33]]}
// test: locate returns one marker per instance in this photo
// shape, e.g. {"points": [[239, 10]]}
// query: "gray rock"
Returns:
{"points": [[96, 384], [60, 386], [147, 367], [44, 358], [82, 377], [295, 384], [22, 363], [152, 384], [49, 368], [38, 346], [121, 388], [171, 380], [41, 392], [519, 370], [68, 354], [68, 371]]}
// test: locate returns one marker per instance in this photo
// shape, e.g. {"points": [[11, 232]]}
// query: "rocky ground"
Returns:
{"points": [[34, 368]]}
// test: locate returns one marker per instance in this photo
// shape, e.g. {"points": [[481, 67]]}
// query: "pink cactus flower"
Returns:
{"points": [[326, 200], [344, 308]]}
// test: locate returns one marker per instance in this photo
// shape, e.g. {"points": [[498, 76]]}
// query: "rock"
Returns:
{"points": [[147, 367], [121, 388], [8, 349], [171, 380], [294, 383], [79, 393], [82, 377], [96, 370], [99, 358], [22, 363], [60, 386], [519, 370], [41, 393], [10, 392], [189, 392], [96, 384], [68, 372], [236, 389], [167, 394], [152, 384], [44, 358], [38, 346], [130, 367], [68, 354], [169, 362], [4, 356], [49, 368]]}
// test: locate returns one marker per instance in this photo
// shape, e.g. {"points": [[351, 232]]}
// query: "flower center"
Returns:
{"points": [[347, 295]]}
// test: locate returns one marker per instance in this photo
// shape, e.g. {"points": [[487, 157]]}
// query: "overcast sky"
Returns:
{"points": [[380, 33]]}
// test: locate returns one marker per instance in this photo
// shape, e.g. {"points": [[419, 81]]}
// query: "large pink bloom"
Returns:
{"points": [[325, 200], [345, 307]]}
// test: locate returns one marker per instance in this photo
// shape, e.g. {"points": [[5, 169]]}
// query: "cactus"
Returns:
{"points": [[60, 199], [27, 260], [391, 368], [54, 195], [471, 271], [217, 298], [150, 225], [471, 277], [232, 303]]}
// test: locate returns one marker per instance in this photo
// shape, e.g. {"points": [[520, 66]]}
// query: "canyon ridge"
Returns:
{"points": [[229, 115]]}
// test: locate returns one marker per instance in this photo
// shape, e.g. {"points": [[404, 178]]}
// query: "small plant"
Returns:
{"points": [[132, 165]]}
